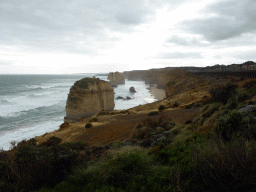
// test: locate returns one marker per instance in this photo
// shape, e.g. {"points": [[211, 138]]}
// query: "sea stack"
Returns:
{"points": [[87, 97], [132, 89], [116, 78]]}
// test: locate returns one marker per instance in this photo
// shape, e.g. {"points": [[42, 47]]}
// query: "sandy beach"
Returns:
{"points": [[159, 94]]}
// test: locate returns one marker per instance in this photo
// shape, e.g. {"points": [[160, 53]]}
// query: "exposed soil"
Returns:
{"points": [[118, 127]]}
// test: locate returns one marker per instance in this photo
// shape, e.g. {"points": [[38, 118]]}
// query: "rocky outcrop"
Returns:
{"points": [[247, 110], [132, 89], [116, 78], [87, 97]]}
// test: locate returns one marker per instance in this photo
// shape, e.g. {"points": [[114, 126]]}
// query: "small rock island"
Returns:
{"points": [[87, 97]]}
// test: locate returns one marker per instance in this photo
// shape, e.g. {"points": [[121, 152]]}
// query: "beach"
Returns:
{"points": [[158, 94]]}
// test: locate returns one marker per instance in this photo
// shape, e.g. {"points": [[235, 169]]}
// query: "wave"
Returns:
{"points": [[4, 102]]}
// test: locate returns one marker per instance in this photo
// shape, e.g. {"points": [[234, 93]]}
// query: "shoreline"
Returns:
{"points": [[158, 94]]}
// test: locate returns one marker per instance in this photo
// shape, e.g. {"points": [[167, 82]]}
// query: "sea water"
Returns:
{"points": [[31, 105]]}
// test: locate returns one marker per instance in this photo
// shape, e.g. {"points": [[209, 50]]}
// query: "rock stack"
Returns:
{"points": [[87, 97], [115, 79]]}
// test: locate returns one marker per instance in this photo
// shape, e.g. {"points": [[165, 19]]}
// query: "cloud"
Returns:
{"points": [[185, 41], [180, 55], [224, 20], [64, 25]]}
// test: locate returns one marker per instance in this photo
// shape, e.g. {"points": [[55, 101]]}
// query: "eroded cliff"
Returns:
{"points": [[116, 78], [87, 97]]}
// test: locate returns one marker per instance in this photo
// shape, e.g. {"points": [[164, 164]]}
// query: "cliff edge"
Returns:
{"points": [[87, 97]]}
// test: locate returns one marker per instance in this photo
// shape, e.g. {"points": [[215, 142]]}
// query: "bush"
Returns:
{"points": [[88, 125], [63, 125], [32, 166], [176, 104], [52, 141], [226, 166], [235, 124], [232, 105], [153, 113], [210, 109], [140, 133], [93, 119], [242, 96], [223, 93], [188, 122], [120, 171], [161, 108]]}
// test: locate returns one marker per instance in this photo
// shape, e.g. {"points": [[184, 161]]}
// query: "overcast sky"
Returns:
{"points": [[87, 36]]}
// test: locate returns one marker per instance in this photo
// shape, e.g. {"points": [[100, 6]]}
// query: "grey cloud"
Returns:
{"points": [[224, 20], [245, 55], [185, 41], [62, 22], [181, 55]]}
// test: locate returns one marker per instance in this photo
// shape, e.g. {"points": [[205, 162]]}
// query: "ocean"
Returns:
{"points": [[31, 105]]}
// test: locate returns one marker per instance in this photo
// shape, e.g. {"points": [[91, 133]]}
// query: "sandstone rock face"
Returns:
{"points": [[87, 97], [137, 75], [116, 78], [151, 76]]}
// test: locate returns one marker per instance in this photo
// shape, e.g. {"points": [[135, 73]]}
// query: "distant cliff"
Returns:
{"points": [[116, 78], [87, 97], [180, 80], [136, 75]]}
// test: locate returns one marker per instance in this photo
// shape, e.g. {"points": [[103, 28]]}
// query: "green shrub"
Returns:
{"points": [[161, 108], [250, 84], [223, 92], [153, 113], [232, 105], [188, 122], [188, 106], [140, 133], [103, 113], [52, 141], [226, 166], [176, 104], [205, 107], [32, 166], [175, 132], [235, 124], [242, 96], [88, 125], [211, 109], [93, 119]]}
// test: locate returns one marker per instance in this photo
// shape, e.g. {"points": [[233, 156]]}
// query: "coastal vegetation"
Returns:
{"points": [[216, 151]]}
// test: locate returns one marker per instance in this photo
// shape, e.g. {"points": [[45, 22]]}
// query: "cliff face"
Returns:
{"points": [[179, 80], [162, 80], [87, 97], [115, 79], [137, 75], [151, 76]]}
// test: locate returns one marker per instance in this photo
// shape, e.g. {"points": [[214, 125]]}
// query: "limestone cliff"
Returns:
{"points": [[87, 97], [151, 76], [116, 78], [136, 75], [180, 80]]}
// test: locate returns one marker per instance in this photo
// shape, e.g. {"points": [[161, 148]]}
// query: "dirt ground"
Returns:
{"points": [[118, 128]]}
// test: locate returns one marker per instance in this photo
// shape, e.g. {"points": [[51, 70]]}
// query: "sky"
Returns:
{"points": [[99, 36]]}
